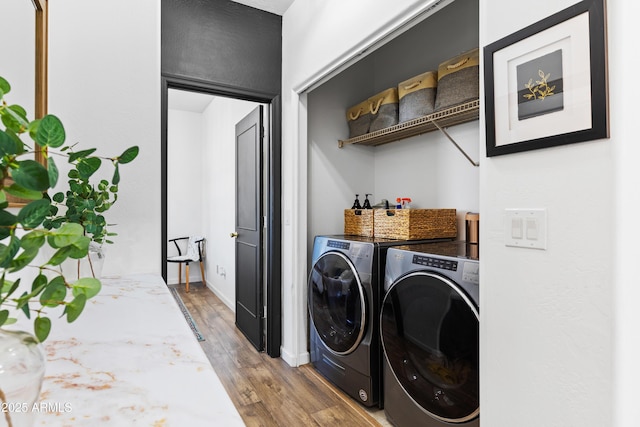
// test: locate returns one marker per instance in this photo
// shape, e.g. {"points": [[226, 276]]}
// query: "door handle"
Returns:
{"points": [[234, 235]]}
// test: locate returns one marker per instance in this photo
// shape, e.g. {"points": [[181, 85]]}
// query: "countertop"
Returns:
{"points": [[131, 359]]}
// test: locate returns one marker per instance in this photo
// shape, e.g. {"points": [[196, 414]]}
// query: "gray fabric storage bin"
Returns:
{"points": [[417, 96], [458, 80], [359, 119], [384, 109]]}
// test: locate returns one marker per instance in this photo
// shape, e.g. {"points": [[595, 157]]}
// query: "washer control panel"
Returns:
{"points": [[427, 261], [338, 244]]}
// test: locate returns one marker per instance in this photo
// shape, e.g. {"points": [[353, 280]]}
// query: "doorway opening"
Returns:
{"points": [[198, 191]]}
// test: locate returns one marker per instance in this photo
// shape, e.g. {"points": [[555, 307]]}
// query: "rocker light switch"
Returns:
{"points": [[526, 228], [532, 229], [516, 228]]}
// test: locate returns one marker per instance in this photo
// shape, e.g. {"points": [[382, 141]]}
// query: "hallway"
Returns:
{"points": [[267, 391]]}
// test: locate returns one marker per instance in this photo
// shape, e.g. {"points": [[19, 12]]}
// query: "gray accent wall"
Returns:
{"points": [[223, 43]]}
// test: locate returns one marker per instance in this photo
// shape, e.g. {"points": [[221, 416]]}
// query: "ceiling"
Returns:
{"points": [[188, 101], [274, 6]]}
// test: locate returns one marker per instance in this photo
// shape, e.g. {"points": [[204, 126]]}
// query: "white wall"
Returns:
{"points": [[185, 150], [18, 63], [104, 84], [201, 187], [623, 35], [218, 192], [558, 345], [547, 316]]}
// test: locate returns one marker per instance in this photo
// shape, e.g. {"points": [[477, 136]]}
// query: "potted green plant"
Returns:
{"points": [[85, 202], [29, 285]]}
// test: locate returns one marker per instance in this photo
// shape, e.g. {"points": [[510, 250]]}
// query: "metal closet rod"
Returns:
{"points": [[474, 163]]}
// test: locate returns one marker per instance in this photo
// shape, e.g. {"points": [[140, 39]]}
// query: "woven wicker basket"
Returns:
{"points": [[358, 222], [415, 224]]}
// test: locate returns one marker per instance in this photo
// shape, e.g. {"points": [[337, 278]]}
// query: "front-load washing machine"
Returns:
{"points": [[429, 326], [344, 295]]}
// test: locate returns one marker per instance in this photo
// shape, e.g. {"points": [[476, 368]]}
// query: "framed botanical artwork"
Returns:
{"points": [[546, 85]]}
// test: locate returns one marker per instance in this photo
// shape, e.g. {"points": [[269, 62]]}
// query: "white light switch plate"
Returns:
{"points": [[525, 228]]}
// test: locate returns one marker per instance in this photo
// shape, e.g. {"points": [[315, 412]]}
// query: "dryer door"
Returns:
{"points": [[337, 302], [430, 339]]}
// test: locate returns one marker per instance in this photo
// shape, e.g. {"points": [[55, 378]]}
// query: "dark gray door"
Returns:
{"points": [[248, 233]]}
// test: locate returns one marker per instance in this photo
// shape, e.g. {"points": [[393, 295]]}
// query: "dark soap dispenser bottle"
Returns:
{"points": [[356, 203], [366, 204]]}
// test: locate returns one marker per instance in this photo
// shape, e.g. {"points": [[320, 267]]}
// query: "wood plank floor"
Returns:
{"points": [[267, 391]]}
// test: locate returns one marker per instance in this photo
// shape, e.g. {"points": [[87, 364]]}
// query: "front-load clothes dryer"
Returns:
{"points": [[429, 326], [344, 295]]}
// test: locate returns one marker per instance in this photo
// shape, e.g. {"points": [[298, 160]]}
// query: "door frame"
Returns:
{"points": [[273, 163]]}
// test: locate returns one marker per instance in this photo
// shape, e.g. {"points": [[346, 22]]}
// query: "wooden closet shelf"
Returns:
{"points": [[459, 114]]}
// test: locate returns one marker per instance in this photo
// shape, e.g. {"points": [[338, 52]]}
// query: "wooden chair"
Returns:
{"points": [[194, 253]]}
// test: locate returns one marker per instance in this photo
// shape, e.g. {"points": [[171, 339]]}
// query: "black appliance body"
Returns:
{"points": [[345, 290], [429, 326]]}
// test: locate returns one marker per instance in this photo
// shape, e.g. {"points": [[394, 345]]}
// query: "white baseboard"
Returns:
{"points": [[223, 298], [294, 360]]}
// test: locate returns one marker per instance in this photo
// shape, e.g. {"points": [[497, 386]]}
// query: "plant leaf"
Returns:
{"points": [[54, 173], [50, 132], [65, 235], [55, 293], [24, 259], [14, 117], [34, 213], [23, 304], [8, 252], [129, 155], [81, 154], [8, 145], [7, 219], [42, 327], [70, 241], [21, 192], [87, 167], [80, 248], [5, 87], [39, 282], [116, 175], [31, 175], [75, 307], [4, 315], [58, 197], [33, 239], [59, 257], [9, 287], [88, 286]]}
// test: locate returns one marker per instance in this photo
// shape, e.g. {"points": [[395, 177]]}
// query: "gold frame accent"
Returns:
{"points": [[42, 65], [41, 8]]}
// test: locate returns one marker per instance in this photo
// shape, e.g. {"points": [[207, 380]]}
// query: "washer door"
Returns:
{"points": [[337, 303], [430, 339]]}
